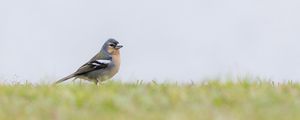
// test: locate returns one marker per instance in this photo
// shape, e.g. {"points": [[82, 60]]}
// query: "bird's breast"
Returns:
{"points": [[116, 64]]}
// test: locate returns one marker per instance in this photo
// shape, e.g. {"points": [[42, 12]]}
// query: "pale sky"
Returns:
{"points": [[167, 40]]}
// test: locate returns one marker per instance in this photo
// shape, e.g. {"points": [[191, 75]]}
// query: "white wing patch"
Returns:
{"points": [[96, 64], [100, 63], [103, 61]]}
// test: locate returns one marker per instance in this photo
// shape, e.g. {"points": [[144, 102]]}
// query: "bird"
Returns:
{"points": [[103, 66]]}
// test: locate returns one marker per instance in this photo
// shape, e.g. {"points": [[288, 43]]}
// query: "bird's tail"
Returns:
{"points": [[64, 79]]}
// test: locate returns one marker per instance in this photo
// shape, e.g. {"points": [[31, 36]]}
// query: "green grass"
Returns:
{"points": [[208, 101]]}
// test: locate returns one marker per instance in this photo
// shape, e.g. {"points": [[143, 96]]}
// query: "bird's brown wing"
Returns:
{"points": [[88, 67]]}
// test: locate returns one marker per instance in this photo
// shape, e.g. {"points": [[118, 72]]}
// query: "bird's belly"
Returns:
{"points": [[100, 75], [108, 74]]}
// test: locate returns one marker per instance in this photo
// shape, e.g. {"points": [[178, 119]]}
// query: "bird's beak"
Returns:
{"points": [[119, 46]]}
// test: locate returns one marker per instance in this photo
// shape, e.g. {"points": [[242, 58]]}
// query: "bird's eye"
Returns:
{"points": [[112, 45]]}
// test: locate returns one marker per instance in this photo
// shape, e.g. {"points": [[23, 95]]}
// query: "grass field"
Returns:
{"points": [[120, 101]]}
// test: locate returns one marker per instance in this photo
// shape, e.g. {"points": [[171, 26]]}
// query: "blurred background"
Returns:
{"points": [[165, 40]]}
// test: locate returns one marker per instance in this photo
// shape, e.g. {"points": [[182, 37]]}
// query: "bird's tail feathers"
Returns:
{"points": [[64, 79]]}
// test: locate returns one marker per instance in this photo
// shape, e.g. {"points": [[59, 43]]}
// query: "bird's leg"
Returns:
{"points": [[96, 82]]}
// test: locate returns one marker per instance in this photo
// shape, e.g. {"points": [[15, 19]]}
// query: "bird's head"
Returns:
{"points": [[112, 46]]}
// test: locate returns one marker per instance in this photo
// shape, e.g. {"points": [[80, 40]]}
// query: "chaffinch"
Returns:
{"points": [[104, 65]]}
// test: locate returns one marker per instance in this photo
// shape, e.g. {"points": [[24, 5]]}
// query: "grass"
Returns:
{"points": [[212, 100]]}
